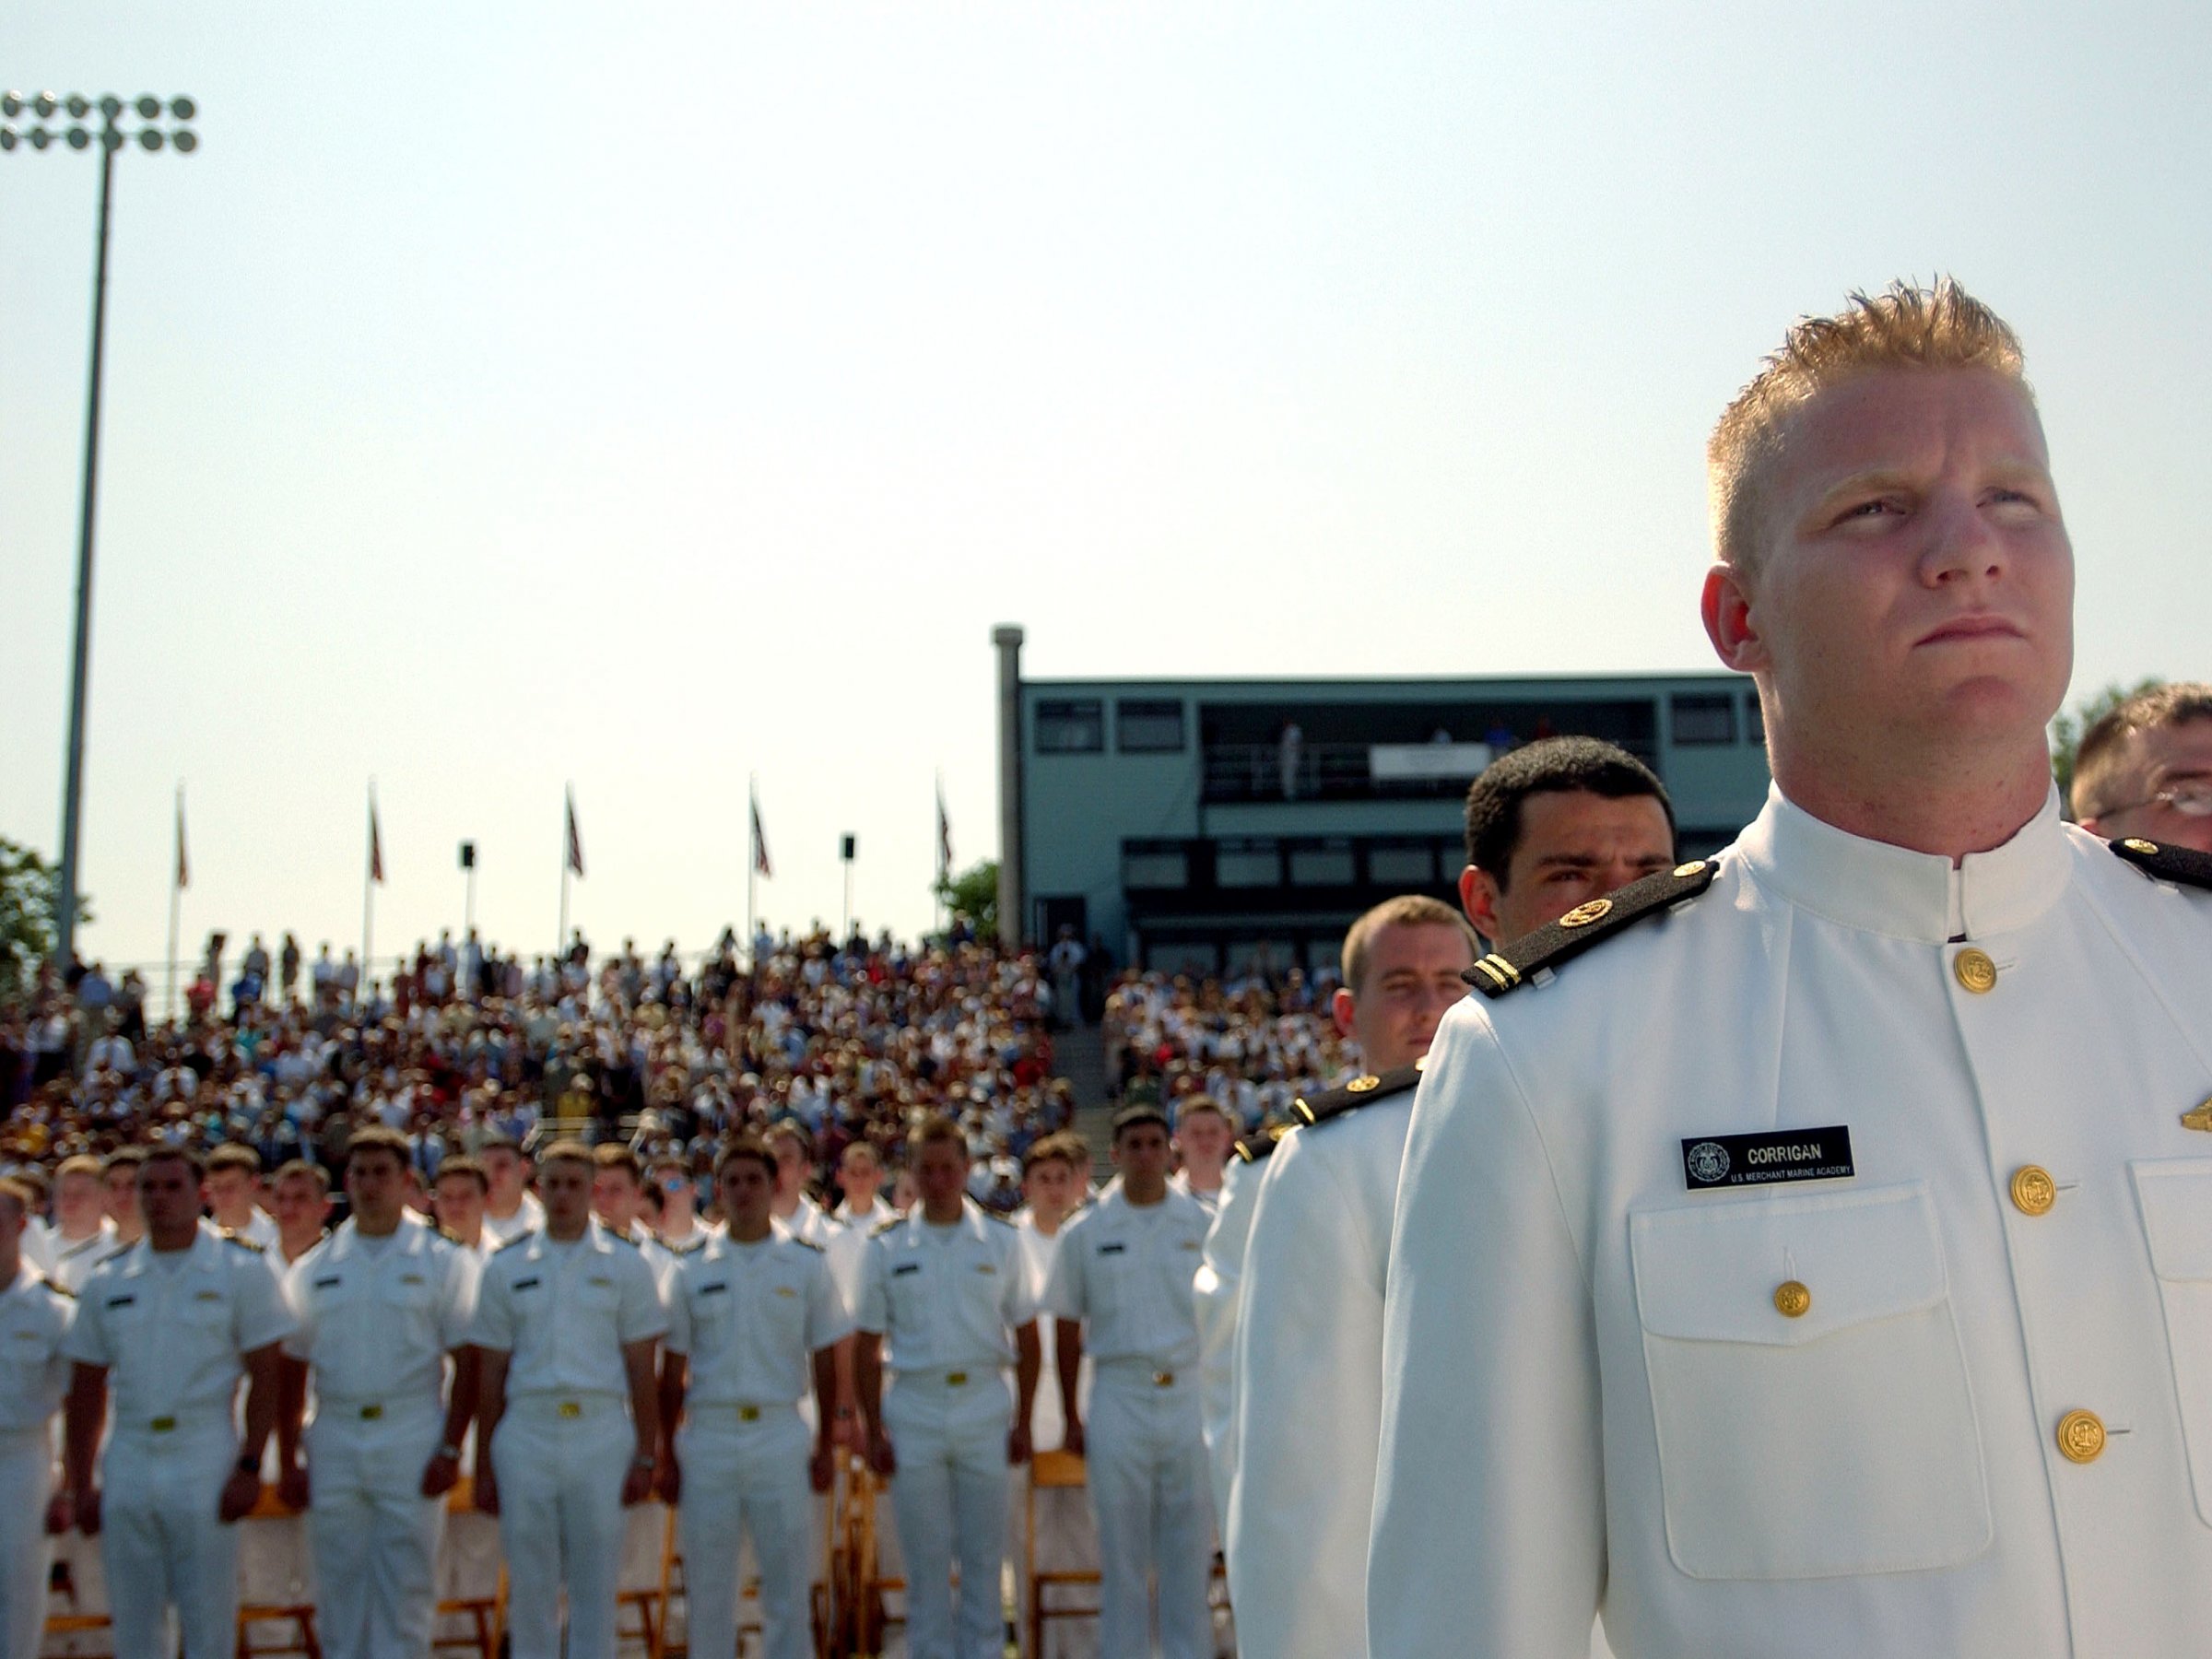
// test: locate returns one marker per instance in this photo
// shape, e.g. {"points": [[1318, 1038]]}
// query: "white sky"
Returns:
{"points": [[509, 394]]}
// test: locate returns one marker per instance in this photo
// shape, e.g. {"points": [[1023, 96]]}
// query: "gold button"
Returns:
{"points": [[163, 1425], [1975, 970], [2135, 845], [369, 1414], [2081, 1436], [1792, 1299], [570, 1408], [956, 1379], [1696, 866], [748, 1413], [2033, 1191], [1581, 915], [1163, 1379]]}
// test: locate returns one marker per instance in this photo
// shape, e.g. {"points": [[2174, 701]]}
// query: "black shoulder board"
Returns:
{"points": [[622, 1238], [448, 1235], [1256, 1149], [807, 1245], [115, 1254], [523, 1237], [696, 1246], [991, 1215], [1586, 924], [241, 1242], [1363, 1090], [57, 1286], [2184, 865], [891, 1226]]}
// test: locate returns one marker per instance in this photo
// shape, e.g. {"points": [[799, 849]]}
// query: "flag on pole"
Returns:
{"points": [[376, 845], [944, 836], [183, 868], [575, 839], [760, 841]]}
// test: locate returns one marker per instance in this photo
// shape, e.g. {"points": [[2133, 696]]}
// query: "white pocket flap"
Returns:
{"points": [[1709, 1272], [2176, 1196]]}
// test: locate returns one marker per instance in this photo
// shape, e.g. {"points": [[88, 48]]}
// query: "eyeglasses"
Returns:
{"points": [[2192, 800]]}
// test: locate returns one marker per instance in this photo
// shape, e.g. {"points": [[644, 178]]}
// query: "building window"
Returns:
{"points": [[1702, 718], [1155, 868], [1076, 727], [1147, 726], [1248, 863], [1401, 866], [1329, 865]]}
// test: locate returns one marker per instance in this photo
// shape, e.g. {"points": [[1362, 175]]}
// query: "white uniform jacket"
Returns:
{"points": [[1309, 1384], [1819, 1416], [565, 1315], [1127, 1270], [174, 1340], [1217, 1290], [376, 1327], [750, 1318], [945, 1304], [35, 1319]]}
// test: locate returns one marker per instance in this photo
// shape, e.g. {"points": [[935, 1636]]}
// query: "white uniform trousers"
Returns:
{"points": [[1145, 1452], [161, 1543], [745, 1474], [560, 1465], [949, 1500], [26, 1552], [373, 1533]]}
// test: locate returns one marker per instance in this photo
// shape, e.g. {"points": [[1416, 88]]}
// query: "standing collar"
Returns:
{"points": [[1887, 889]]}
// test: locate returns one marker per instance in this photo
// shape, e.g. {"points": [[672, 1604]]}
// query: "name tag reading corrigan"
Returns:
{"points": [[1736, 1160]]}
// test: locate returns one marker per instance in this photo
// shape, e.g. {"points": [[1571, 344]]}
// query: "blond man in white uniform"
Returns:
{"points": [[753, 1319], [945, 1304], [175, 1322], [1817, 1265], [81, 1233], [1552, 824], [382, 1303], [35, 1319], [1122, 1287], [568, 1321]]}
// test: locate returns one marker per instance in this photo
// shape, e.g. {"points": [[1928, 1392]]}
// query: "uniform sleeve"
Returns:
{"points": [[1490, 1401], [1215, 1291], [642, 1315], [299, 1297], [260, 1311], [1063, 1297], [462, 1272], [493, 1326], [828, 1319], [1308, 1404], [86, 1341], [1017, 1305], [676, 1300], [871, 1308]]}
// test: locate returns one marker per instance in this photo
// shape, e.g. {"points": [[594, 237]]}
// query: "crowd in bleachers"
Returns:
{"points": [[458, 1044], [1253, 1041]]}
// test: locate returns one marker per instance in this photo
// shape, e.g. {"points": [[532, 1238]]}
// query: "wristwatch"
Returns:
{"points": [[249, 1466], [645, 1460], [447, 1449]]}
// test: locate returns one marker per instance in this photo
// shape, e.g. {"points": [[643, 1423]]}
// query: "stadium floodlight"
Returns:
{"points": [[152, 138]]}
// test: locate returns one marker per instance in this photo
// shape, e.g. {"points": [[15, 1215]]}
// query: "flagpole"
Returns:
{"points": [[561, 939], [944, 872], [752, 866], [176, 902], [368, 977]]}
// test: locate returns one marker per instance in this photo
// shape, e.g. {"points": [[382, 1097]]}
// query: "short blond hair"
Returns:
{"points": [[1408, 910], [1904, 327]]}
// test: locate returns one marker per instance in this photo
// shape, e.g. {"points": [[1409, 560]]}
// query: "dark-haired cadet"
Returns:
{"points": [[1121, 1287], [752, 1315], [1550, 826]]}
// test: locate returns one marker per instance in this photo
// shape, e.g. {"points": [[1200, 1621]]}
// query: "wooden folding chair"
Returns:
{"points": [[1057, 1470], [819, 1594], [486, 1613], [300, 1615]]}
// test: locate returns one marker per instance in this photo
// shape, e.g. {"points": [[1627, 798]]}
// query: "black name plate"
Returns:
{"points": [[1735, 1161]]}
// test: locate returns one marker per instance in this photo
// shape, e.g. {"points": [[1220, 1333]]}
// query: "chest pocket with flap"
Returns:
{"points": [[1839, 1441], [2176, 1200]]}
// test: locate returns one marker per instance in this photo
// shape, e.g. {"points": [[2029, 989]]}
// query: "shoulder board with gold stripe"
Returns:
{"points": [[1257, 1147], [1363, 1090], [243, 1242], [523, 1237], [806, 1244], [1511, 965], [893, 1224], [2184, 865]]}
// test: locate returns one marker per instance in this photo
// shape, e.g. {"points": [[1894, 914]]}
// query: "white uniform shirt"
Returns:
{"points": [[172, 1332], [69, 1264], [1309, 1384], [376, 1323], [945, 1298], [529, 1213], [1216, 1293], [750, 1318], [34, 1373], [1127, 1270], [565, 1312], [1591, 1387]]}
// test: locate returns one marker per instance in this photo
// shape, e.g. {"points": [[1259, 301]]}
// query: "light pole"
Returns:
{"points": [[110, 139]]}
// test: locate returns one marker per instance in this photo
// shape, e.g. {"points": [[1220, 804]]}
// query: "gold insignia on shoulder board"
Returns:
{"points": [[1696, 866], [1362, 1084], [2137, 844], [1581, 915], [2199, 1118]]}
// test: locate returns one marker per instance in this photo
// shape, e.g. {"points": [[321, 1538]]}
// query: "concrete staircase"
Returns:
{"points": [[1081, 1058]]}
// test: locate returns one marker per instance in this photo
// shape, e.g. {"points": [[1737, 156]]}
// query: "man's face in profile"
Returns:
{"points": [[1915, 572]]}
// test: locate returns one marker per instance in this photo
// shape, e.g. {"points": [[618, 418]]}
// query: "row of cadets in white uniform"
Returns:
{"points": [[945, 1306], [35, 1316]]}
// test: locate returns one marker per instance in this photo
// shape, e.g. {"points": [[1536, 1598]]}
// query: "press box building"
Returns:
{"points": [[1203, 824]]}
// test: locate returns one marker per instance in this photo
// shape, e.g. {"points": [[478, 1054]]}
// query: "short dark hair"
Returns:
{"points": [[1548, 764], [123, 1158], [376, 1137], [744, 1148], [613, 1155], [933, 1130], [175, 1152], [2096, 761], [1133, 1117], [315, 1172]]}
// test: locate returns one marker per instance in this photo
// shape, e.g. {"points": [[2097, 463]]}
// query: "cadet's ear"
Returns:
{"points": [[1479, 895], [1341, 1007], [1730, 620]]}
